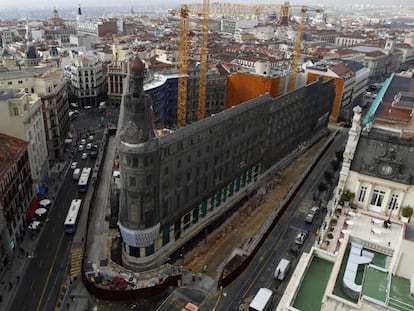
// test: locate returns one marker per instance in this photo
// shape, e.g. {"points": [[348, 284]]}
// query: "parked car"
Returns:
{"points": [[91, 138], [88, 146], [301, 237], [312, 214], [84, 156], [81, 147], [83, 141], [294, 250], [74, 165], [94, 152]]}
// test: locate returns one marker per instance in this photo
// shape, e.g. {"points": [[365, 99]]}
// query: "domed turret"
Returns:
{"points": [[137, 65], [136, 76]]}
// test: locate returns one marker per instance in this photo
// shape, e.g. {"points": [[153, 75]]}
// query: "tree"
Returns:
{"points": [[328, 176], [335, 165], [339, 155], [322, 187]]}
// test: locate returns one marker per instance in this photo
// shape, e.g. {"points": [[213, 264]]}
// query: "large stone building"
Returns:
{"points": [[21, 117], [85, 80], [50, 85], [173, 185], [15, 194], [382, 166], [377, 170], [351, 80]]}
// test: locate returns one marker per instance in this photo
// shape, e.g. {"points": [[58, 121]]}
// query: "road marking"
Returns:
{"points": [[49, 274]]}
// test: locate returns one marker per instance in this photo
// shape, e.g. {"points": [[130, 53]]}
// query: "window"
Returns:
{"points": [[377, 198], [15, 111], [362, 194], [20, 82], [132, 181], [166, 170], [393, 205]]}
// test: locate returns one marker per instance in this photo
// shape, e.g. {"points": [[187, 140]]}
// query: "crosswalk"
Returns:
{"points": [[76, 261], [61, 297]]}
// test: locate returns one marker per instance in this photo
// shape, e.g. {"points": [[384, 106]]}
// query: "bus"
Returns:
{"points": [[72, 216], [262, 301], [84, 179]]}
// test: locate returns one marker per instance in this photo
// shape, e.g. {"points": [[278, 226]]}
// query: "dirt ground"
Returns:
{"points": [[246, 221]]}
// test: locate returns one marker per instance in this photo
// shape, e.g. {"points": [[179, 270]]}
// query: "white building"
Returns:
{"points": [[85, 80], [364, 252], [49, 84], [21, 116]]}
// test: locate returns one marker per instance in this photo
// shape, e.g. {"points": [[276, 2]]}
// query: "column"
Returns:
{"points": [[370, 187], [386, 201], [357, 191]]}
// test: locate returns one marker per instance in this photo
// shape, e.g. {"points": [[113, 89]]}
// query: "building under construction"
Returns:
{"points": [[176, 183]]}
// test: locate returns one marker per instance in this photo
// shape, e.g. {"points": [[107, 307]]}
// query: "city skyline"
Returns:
{"points": [[162, 3]]}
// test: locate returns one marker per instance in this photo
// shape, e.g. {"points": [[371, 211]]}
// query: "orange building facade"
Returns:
{"points": [[242, 87]]}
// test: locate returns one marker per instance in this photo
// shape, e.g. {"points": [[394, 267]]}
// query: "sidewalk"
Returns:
{"points": [[25, 250]]}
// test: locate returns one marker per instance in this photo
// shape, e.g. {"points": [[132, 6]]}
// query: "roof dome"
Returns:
{"points": [[137, 65]]}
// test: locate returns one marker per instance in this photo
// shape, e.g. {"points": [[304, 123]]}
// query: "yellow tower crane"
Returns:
{"points": [[230, 9], [203, 62], [182, 65], [298, 43]]}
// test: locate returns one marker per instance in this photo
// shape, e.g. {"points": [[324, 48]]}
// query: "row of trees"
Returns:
{"points": [[329, 174]]}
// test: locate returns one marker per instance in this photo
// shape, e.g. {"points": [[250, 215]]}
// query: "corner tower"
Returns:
{"points": [[139, 221]]}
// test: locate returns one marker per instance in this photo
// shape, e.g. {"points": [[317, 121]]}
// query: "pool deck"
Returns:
{"points": [[366, 226], [310, 290]]}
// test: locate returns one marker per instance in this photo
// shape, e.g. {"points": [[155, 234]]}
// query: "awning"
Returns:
{"points": [[32, 208]]}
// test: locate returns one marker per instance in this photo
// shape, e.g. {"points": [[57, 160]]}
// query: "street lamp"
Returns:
{"points": [[391, 207]]}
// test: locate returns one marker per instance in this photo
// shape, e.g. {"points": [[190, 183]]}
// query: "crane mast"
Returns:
{"points": [[183, 68], [296, 51], [203, 62], [205, 9]]}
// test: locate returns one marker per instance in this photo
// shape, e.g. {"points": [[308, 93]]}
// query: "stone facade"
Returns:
{"points": [[174, 185]]}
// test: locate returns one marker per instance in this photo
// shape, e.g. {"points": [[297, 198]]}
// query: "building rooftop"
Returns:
{"points": [[11, 149], [329, 265]]}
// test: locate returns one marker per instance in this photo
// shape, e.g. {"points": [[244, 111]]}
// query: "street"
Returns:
{"points": [[39, 287], [260, 272]]}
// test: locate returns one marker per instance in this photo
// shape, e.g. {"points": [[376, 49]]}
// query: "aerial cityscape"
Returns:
{"points": [[207, 156]]}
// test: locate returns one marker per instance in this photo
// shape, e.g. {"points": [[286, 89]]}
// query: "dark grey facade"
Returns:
{"points": [[384, 155], [174, 185]]}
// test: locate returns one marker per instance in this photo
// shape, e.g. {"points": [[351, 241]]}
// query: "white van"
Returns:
{"points": [[282, 269], [76, 173]]}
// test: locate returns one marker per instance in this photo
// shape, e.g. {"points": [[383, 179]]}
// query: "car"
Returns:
{"points": [[84, 156], [312, 214], [88, 146], [74, 105], [301, 237], [83, 141], [294, 250], [87, 107], [93, 153], [74, 165], [90, 137], [81, 147]]}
